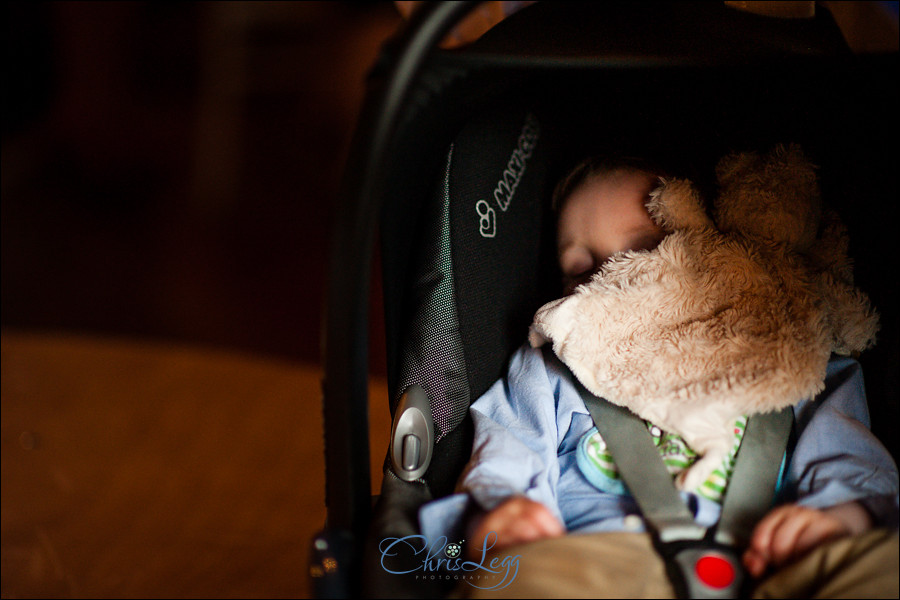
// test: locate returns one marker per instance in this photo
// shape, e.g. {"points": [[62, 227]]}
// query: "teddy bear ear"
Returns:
{"points": [[734, 166], [552, 321], [538, 335], [675, 204], [854, 322], [774, 197]]}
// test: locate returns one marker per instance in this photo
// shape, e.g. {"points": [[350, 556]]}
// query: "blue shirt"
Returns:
{"points": [[528, 425]]}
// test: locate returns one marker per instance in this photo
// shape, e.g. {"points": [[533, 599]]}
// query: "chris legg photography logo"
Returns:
{"points": [[442, 559]]}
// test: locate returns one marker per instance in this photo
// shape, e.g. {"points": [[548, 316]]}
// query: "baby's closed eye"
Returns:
{"points": [[577, 261]]}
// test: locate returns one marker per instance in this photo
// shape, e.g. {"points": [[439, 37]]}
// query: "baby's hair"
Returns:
{"points": [[602, 164]]}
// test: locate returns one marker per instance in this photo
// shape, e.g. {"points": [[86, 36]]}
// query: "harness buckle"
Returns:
{"points": [[704, 569]]}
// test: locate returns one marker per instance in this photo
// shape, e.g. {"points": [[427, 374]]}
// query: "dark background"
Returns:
{"points": [[169, 169]]}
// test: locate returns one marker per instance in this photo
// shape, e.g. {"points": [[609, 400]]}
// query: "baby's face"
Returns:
{"points": [[604, 215]]}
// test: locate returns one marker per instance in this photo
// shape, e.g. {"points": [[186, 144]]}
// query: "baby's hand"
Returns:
{"points": [[790, 531], [515, 521]]}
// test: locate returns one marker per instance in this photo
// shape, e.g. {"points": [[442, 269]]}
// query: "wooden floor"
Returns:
{"points": [[143, 470]]}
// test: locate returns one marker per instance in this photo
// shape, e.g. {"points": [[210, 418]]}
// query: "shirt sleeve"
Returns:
{"points": [[837, 459], [516, 438], [514, 448]]}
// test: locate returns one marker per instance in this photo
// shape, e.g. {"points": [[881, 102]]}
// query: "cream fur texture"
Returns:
{"points": [[724, 318]]}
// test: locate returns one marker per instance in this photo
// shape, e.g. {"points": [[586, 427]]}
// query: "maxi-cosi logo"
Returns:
{"points": [[509, 179], [414, 555]]}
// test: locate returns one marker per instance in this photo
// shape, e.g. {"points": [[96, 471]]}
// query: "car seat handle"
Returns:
{"points": [[412, 435], [345, 385]]}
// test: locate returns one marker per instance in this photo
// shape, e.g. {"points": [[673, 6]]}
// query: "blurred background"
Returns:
{"points": [[169, 169]]}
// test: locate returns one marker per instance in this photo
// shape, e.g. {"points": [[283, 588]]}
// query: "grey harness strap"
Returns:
{"points": [[690, 551], [755, 478], [642, 470]]}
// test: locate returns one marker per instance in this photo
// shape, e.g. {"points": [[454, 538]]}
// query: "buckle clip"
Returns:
{"points": [[705, 570]]}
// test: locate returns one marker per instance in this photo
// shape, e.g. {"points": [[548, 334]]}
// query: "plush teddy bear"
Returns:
{"points": [[727, 316]]}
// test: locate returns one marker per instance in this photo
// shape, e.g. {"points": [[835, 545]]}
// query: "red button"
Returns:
{"points": [[714, 571]]}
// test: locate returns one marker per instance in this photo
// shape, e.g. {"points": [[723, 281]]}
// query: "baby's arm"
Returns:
{"points": [[840, 489], [511, 479], [515, 521], [790, 531]]}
